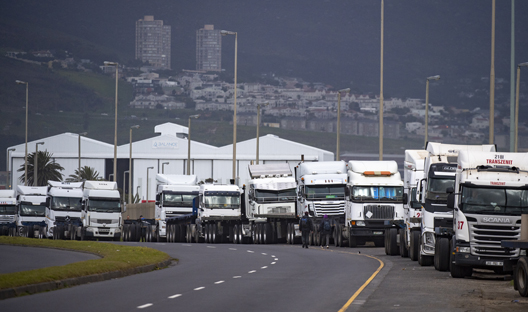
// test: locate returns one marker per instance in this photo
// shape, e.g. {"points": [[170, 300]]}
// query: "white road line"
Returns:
{"points": [[252, 271], [144, 306], [174, 296], [272, 256], [276, 259], [190, 245], [265, 254], [232, 248], [264, 267], [250, 251], [273, 262], [199, 288], [211, 247], [219, 282], [237, 276]]}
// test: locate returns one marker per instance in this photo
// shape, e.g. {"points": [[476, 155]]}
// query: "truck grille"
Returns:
{"points": [[485, 240], [385, 212], [105, 221], [7, 219], [331, 209]]}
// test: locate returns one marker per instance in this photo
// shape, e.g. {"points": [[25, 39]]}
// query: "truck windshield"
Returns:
{"points": [[7, 209], [377, 193], [173, 199], [436, 188], [221, 201], [28, 210], [66, 203], [104, 205], [262, 196], [501, 201], [325, 191]]}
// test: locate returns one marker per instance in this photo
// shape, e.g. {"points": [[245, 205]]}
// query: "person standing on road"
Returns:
{"points": [[305, 224], [326, 228]]}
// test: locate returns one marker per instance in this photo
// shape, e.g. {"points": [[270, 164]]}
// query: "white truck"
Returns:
{"points": [[101, 211], [7, 212], [439, 174], [63, 209], [31, 211], [375, 206], [270, 202], [321, 190], [488, 198], [174, 196], [413, 172]]}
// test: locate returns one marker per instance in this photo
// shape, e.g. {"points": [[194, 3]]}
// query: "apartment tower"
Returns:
{"points": [[153, 42], [208, 49]]}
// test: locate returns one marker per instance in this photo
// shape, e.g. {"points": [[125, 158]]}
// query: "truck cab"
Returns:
{"points": [[63, 208], [7, 212], [31, 210], [101, 211]]}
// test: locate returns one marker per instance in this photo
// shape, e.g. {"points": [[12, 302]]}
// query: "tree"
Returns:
{"points": [[47, 169], [86, 173]]}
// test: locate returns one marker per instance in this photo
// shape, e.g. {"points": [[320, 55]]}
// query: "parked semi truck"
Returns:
{"points": [[31, 209], [63, 209], [270, 199], [101, 211], [413, 172], [439, 174], [488, 198], [321, 190], [375, 205], [7, 212]]}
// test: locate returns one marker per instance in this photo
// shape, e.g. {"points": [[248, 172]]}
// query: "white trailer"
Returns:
{"points": [[101, 211], [321, 190], [439, 174], [31, 211], [270, 203], [63, 209], [375, 205], [7, 212], [413, 172], [489, 196]]}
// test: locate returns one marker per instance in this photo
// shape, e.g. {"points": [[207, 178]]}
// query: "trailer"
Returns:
{"points": [[7, 211], [520, 268]]}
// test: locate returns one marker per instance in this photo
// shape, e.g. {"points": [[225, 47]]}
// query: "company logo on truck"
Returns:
{"points": [[496, 220], [499, 159]]}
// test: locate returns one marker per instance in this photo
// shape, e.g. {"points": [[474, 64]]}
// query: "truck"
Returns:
{"points": [[101, 211], [489, 195], [270, 202], [413, 172], [7, 212], [375, 206], [63, 209], [321, 190], [439, 174], [31, 211]]}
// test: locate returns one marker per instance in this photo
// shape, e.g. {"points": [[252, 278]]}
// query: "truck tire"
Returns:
{"points": [[392, 242], [310, 239], [214, 234], [340, 235], [404, 251], [83, 233], [442, 254], [414, 245], [266, 238], [288, 234], [424, 260], [352, 241], [188, 234], [521, 276], [235, 234]]}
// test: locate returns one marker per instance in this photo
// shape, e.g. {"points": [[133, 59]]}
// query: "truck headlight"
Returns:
{"points": [[360, 223], [522, 252], [463, 249]]}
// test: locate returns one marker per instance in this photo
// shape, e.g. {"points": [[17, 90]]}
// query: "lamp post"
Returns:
{"points": [[79, 143], [25, 155], [124, 179], [492, 77], [189, 144], [137, 190], [115, 127], [381, 86], [258, 126], [35, 164], [427, 104], [148, 168], [163, 166], [130, 166], [8, 168], [224, 33], [347, 90], [517, 102]]}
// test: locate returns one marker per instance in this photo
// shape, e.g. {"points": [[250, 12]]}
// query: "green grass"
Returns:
{"points": [[114, 258]]}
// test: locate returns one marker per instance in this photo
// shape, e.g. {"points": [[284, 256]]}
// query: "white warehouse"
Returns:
{"points": [[166, 152]]}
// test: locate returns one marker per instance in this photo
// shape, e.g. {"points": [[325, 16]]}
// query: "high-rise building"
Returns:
{"points": [[208, 49], [153, 42]]}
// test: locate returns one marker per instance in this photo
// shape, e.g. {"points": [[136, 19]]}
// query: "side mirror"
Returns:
{"points": [[405, 198], [451, 200], [48, 200], [157, 203], [157, 198]]}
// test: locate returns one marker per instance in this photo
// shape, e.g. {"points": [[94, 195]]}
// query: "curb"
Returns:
{"points": [[74, 281]]}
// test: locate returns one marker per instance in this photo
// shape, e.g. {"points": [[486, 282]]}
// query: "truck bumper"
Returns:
{"points": [[478, 262]]}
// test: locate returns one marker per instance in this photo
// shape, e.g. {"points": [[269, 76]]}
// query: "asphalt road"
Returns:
{"points": [[223, 278], [19, 258]]}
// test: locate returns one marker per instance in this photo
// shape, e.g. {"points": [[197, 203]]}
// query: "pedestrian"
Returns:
{"points": [[305, 224], [326, 228]]}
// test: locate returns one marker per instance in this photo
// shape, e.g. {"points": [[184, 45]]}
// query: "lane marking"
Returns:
{"points": [[232, 248], [273, 262], [187, 245], [174, 296], [276, 259], [237, 276], [144, 306], [250, 251], [211, 247], [219, 282], [265, 254], [252, 271], [199, 288], [264, 267], [273, 256]]}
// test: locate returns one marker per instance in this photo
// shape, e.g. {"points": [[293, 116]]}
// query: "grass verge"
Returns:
{"points": [[114, 258]]}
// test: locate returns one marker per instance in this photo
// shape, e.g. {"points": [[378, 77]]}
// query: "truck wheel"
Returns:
{"points": [[235, 234], [404, 252], [521, 276], [352, 242], [188, 234], [340, 235], [264, 234], [414, 245], [392, 248], [83, 233], [214, 234], [442, 254], [334, 236]]}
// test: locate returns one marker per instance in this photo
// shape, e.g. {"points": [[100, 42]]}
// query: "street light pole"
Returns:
{"points": [[8, 168], [258, 126], [25, 155], [124, 179], [225, 32], [79, 143], [347, 90], [115, 126], [130, 166], [517, 103], [427, 104], [35, 164], [189, 144], [381, 87], [148, 181], [163, 167], [492, 77]]}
